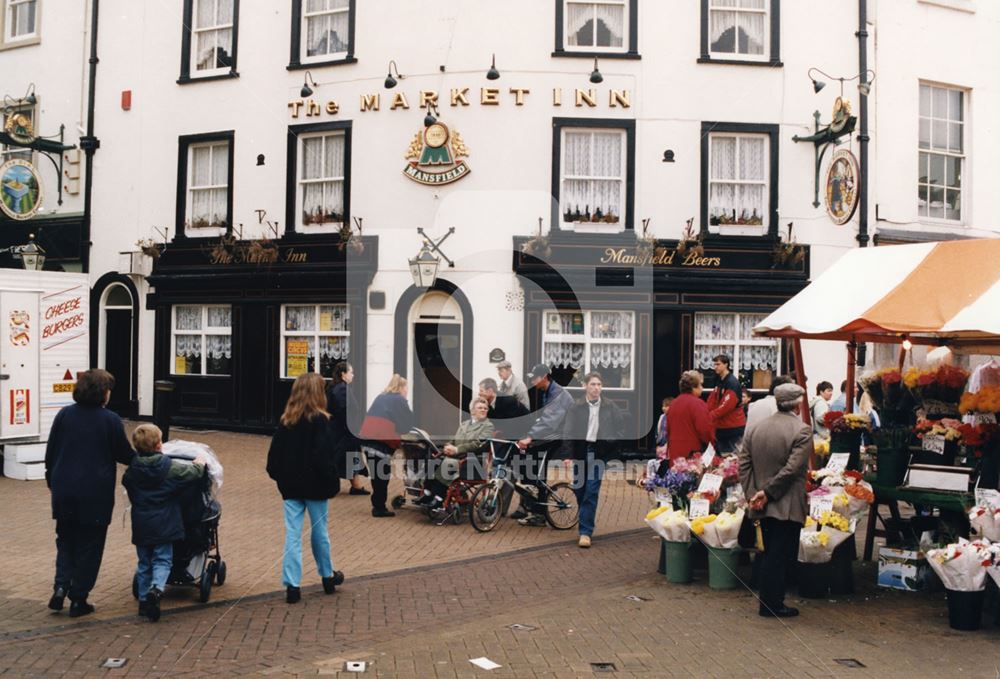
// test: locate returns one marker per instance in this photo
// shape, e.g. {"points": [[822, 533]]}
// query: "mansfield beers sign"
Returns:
{"points": [[435, 156]]}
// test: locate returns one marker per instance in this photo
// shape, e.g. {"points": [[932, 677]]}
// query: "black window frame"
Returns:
{"points": [[292, 169], [295, 62], [774, 56], [188, 19], [707, 128], [632, 43], [184, 143], [628, 125]]}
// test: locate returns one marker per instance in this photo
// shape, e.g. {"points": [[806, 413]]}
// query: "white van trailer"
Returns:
{"points": [[44, 344]]}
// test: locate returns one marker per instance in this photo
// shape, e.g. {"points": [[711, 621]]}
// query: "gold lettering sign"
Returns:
{"points": [[658, 257]]}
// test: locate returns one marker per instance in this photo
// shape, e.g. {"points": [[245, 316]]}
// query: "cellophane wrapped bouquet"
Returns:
{"points": [[669, 524], [723, 531], [984, 519], [964, 565], [851, 495], [818, 539]]}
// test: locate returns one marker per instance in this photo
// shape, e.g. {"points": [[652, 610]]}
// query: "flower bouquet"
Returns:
{"points": [[889, 396], [985, 521], [723, 531], [939, 389], [669, 524], [818, 539], [962, 565], [986, 400]]}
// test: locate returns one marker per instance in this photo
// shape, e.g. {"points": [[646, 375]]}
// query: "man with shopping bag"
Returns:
{"points": [[773, 465]]}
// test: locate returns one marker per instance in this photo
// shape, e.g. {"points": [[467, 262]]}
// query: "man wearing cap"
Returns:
{"points": [[510, 385], [773, 465], [544, 435]]}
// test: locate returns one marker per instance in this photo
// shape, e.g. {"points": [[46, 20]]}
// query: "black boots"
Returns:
{"points": [[292, 595], [80, 608], [153, 604], [58, 599], [330, 584]]}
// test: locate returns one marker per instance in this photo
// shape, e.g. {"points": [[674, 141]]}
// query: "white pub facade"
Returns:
{"points": [[621, 177]]}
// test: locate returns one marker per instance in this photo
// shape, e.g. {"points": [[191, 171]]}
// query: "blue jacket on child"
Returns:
{"points": [[154, 482]]}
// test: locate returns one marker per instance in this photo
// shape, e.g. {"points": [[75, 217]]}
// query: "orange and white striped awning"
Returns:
{"points": [[932, 293]]}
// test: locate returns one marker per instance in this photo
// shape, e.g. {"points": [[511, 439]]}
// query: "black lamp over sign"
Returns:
{"points": [[595, 75], [307, 91], [668, 156], [493, 73], [430, 118], [864, 86], [390, 82]]}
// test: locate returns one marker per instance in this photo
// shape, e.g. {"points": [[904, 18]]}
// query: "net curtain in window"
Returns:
{"points": [[187, 318], [323, 159], [326, 33], [214, 47], [595, 24], [735, 32], [563, 355], [733, 160], [604, 356], [610, 325], [300, 318], [22, 18]]}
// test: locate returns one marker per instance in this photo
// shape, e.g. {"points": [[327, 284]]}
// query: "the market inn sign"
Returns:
{"points": [[462, 97]]}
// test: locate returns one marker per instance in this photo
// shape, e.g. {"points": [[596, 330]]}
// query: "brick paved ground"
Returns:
{"points": [[428, 622], [411, 614], [251, 537]]}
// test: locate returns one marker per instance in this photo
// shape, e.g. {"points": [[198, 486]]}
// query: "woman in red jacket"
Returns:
{"points": [[687, 421]]}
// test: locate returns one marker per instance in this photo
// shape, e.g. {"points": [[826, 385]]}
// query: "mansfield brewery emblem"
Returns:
{"points": [[841, 187], [435, 156]]}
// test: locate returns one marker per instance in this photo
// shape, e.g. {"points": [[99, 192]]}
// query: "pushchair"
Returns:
{"points": [[419, 455], [197, 561]]}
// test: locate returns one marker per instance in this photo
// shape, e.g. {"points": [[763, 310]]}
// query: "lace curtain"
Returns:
{"points": [[338, 348], [219, 346], [327, 33], [187, 317], [595, 25], [300, 318], [590, 154], [188, 345], [714, 327], [610, 356], [209, 168], [220, 317], [563, 354], [747, 324], [334, 318], [703, 354], [611, 325], [738, 159], [22, 19], [758, 358], [213, 47], [737, 32], [323, 158]]}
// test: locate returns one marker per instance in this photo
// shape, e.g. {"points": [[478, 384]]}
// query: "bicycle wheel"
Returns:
{"points": [[486, 508], [561, 510]]}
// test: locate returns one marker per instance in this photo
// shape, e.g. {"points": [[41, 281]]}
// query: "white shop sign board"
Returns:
{"points": [[44, 344]]}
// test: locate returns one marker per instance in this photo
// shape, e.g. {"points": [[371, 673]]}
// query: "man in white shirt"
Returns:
{"points": [[510, 385], [760, 410]]}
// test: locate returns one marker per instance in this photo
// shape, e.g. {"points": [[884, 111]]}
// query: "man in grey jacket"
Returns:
{"points": [[773, 474], [545, 435]]}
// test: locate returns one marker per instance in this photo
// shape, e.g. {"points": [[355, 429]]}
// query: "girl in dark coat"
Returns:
{"points": [[344, 415], [388, 418], [302, 462], [84, 444]]}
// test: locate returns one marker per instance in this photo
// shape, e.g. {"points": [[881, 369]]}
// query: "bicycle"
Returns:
{"points": [[487, 503]]}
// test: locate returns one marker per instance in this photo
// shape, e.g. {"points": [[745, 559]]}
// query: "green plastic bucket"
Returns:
{"points": [[678, 558], [722, 564]]}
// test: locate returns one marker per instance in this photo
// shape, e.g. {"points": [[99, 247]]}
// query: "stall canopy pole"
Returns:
{"points": [[852, 357], [902, 357], [800, 377]]}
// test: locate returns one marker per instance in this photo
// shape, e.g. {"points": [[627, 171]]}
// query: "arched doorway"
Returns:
{"points": [[116, 344], [435, 363]]}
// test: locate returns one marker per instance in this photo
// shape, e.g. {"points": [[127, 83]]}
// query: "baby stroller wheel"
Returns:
{"points": [[220, 574], [398, 501], [205, 587], [135, 586]]}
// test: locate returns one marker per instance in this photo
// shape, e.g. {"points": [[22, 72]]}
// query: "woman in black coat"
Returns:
{"points": [[345, 416], [84, 444], [302, 462]]}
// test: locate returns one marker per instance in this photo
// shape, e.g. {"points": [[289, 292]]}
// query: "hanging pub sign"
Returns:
{"points": [[20, 189], [842, 187], [19, 128], [435, 156]]}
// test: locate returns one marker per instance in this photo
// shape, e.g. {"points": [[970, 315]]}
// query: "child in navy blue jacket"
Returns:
{"points": [[154, 482]]}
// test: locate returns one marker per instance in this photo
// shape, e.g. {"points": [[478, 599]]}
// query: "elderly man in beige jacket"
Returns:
{"points": [[773, 474]]}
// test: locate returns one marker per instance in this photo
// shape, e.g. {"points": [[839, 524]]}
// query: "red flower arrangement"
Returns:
{"points": [[831, 418]]}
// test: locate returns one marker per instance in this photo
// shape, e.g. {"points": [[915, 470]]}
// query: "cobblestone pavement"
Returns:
{"points": [[251, 536], [427, 623]]}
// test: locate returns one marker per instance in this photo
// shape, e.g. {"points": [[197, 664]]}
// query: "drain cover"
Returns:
{"points": [[849, 662], [115, 663], [603, 666]]}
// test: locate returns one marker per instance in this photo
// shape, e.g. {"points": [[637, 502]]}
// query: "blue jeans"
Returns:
{"points": [[154, 567], [291, 571], [588, 489]]}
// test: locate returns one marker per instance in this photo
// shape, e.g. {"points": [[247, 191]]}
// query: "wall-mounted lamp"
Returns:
{"points": [[307, 91], [431, 118], [260, 160], [29, 97], [390, 82], [668, 156], [595, 75], [32, 255], [493, 73], [864, 86], [11, 104]]}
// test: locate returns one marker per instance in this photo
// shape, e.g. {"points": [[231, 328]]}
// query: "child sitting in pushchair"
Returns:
{"points": [[154, 483]]}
